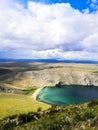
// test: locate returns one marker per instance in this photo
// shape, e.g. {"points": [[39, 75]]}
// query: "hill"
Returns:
{"points": [[28, 75]]}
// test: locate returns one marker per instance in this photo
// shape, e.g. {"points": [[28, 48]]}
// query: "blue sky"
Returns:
{"points": [[40, 29], [77, 4]]}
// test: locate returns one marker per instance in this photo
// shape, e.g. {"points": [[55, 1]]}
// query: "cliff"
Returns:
{"points": [[38, 74]]}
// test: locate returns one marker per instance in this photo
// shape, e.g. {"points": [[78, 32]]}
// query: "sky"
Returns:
{"points": [[49, 29]]}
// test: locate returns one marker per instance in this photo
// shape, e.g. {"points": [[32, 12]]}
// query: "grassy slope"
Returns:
{"points": [[15, 104], [76, 117]]}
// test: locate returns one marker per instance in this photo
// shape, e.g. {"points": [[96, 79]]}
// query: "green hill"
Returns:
{"points": [[76, 117]]}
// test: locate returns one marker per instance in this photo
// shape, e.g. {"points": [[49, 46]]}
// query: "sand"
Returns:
{"points": [[37, 92]]}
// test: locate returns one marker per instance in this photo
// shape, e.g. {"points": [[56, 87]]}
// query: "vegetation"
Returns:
{"points": [[93, 102], [29, 91], [16, 104], [21, 112], [80, 117]]}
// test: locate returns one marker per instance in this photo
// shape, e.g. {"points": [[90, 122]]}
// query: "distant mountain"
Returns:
{"points": [[49, 61]]}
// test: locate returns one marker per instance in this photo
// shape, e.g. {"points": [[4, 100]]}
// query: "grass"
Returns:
{"points": [[58, 118], [29, 91], [15, 104], [75, 117]]}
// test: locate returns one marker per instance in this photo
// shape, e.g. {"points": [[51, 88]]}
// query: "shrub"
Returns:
{"points": [[93, 102], [39, 109]]}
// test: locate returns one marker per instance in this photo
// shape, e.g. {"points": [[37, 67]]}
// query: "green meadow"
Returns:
{"points": [[16, 104]]}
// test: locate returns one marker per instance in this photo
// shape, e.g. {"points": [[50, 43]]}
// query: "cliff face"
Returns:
{"points": [[51, 74], [50, 78]]}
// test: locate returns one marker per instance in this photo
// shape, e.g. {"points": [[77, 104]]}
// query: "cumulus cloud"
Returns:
{"points": [[61, 55], [47, 31]]}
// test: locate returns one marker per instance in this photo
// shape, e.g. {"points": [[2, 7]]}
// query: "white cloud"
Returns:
{"points": [[47, 31], [61, 55]]}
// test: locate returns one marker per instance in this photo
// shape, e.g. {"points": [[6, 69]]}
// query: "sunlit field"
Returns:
{"points": [[15, 104]]}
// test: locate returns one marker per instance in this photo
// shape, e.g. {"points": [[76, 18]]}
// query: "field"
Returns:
{"points": [[74, 117], [15, 104]]}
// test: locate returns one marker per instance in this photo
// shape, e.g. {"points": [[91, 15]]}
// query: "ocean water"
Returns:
{"points": [[68, 94]]}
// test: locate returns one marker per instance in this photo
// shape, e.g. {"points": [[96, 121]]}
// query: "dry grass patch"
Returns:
{"points": [[15, 104]]}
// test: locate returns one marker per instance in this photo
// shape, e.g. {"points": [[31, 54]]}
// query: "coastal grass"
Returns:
{"points": [[16, 104]]}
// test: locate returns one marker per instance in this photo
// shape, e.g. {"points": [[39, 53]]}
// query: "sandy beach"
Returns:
{"points": [[37, 92]]}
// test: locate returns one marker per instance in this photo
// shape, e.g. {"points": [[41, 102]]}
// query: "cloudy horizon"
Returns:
{"points": [[36, 30]]}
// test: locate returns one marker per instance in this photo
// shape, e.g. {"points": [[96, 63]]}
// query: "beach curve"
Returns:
{"points": [[37, 92]]}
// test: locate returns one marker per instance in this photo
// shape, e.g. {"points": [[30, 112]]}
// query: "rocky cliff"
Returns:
{"points": [[39, 75]]}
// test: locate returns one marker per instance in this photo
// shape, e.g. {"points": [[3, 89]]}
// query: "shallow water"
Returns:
{"points": [[69, 94]]}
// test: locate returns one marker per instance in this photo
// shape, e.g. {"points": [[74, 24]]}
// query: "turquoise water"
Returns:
{"points": [[69, 94]]}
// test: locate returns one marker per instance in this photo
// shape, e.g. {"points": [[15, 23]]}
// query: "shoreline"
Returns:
{"points": [[36, 93]]}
